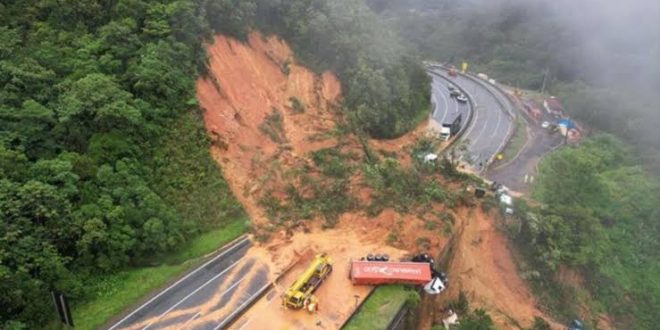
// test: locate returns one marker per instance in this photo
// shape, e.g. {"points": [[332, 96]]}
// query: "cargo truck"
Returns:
{"points": [[451, 126], [378, 272]]}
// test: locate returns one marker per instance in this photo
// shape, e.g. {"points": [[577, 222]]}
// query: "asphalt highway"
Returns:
{"points": [[540, 141], [207, 298], [445, 104], [491, 124]]}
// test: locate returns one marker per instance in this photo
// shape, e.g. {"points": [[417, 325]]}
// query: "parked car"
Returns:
{"points": [[545, 124]]}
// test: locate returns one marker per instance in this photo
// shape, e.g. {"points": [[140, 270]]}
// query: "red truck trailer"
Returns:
{"points": [[379, 272]]}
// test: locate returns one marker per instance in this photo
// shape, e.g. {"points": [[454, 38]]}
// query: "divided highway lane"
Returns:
{"points": [[491, 123], [445, 104], [207, 298]]}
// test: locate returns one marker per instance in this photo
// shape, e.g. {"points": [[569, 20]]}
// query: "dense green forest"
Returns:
{"points": [[104, 162], [600, 218], [604, 64], [387, 91], [602, 198]]}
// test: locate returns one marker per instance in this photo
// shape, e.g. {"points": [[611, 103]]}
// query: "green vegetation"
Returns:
{"points": [[378, 311], [297, 105], [333, 163], [273, 126], [309, 196], [104, 164], [600, 217], [324, 199], [517, 141], [402, 188], [607, 86], [385, 88], [600, 198], [115, 292], [631, 117], [476, 319]]}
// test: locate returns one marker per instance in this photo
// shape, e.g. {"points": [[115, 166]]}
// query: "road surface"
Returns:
{"points": [[520, 173], [445, 104], [491, 124], [209, 297]]}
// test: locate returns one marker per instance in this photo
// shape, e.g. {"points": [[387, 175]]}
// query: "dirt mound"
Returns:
{"points": [[337, 296], [483, 267]]}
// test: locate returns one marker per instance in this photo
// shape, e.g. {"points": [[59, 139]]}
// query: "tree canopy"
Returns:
{"points": [[104, 162], [600, 216], [99, 138]]}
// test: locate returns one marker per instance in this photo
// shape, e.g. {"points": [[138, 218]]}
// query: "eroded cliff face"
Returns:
{"points": [[262, 139], [250, 112]]}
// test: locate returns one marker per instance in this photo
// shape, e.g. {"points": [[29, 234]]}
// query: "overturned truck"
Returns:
{"points": [[376, 273], [412, 273]]}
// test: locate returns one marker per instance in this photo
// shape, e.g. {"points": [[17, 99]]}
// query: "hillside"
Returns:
{"points": [[275, 157], [104, 164], [138, 137]]}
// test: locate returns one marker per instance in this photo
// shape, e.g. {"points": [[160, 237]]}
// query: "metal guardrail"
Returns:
{"points": [[506, 105], [117, 320], [357, 310], [236, 314], [399, 320]]}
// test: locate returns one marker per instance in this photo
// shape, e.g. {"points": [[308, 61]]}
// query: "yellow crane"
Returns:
{"points": [[300, 294]]}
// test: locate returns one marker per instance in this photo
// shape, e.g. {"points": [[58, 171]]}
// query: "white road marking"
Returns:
{"points": [[435, 104], [222, 294], [179, 281], [194, 317], [437, 89], [240, 308], [511, 123], [474, 121], [497, 126], [192, 293], [444, 98], [495, 95]]}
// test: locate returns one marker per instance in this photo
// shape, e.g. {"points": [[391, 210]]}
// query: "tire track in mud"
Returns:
{"points": [[210, 301]]}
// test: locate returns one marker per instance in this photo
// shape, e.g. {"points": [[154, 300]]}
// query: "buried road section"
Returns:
{"points": [[208, 297]]}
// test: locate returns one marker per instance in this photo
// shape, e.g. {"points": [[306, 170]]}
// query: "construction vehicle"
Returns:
{"points": [[300, 294]]}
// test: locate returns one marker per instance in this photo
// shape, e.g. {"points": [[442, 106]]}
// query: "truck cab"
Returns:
{"points": [[451, 126], [436, 286], [445, 133]]}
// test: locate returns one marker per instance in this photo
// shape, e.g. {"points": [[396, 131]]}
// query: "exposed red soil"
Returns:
{"points": [[483, 267], [400, 147], [248, 80], [573, 278], [337, 296]]}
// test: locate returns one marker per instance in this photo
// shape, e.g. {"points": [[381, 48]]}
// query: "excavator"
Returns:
{"points": [[300, 294]]}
